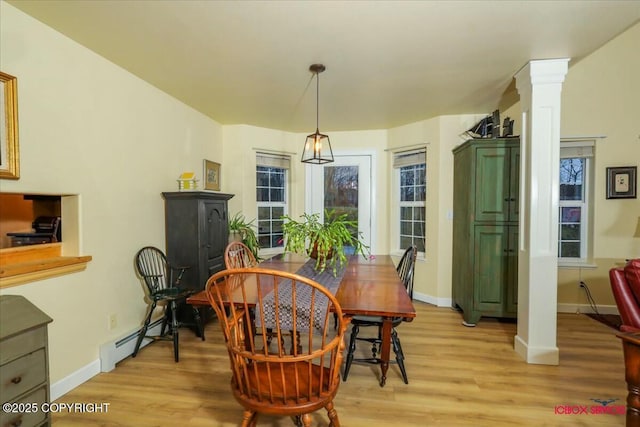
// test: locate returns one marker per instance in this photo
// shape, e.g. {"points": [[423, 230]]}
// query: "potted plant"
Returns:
{"points": [[324, 241], [241, 230]]}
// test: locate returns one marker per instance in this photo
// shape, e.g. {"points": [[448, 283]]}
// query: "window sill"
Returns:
{"points": [[26, 264], [574, 265]]}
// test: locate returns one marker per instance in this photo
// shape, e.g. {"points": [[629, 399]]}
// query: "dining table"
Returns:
{"points": [[369, 286]]}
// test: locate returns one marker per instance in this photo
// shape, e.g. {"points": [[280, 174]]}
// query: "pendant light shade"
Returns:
{"points": [[317, 147]]}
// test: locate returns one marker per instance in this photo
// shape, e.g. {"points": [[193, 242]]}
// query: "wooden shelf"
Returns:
{"points": [[29, 263]]}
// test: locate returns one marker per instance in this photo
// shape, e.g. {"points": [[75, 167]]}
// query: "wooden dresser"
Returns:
{"points": [[24, 363]]}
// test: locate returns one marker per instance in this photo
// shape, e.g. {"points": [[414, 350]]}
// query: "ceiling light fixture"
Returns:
{"points": [[317, 147]]}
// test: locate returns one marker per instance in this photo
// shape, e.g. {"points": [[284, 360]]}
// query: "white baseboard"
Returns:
{"points": [[110, 354], [438, 302], [586, 308], [68, 383], [114, 351], [562, 308]]}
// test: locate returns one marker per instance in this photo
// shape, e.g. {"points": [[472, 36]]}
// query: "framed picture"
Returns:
{"points": [[211, 175], [9, 154], [621, 182]]}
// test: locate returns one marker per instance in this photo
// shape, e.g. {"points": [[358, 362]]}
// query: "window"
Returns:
{"points": [[272, 172], [574, 223], [410, 168]]}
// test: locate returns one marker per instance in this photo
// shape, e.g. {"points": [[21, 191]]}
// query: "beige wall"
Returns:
{"points": [[600, 98], [88, 127]]}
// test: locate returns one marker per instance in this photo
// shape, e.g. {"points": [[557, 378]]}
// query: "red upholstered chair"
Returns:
{"points": [[625, 284]]}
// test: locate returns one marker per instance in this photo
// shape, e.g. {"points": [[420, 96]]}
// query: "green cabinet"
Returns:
{"points": [[485, 228]]}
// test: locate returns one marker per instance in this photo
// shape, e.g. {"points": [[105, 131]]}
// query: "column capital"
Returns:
{"points": [[544, 71]]}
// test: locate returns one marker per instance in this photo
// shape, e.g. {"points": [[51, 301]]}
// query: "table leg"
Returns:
{"points": [[385, 349]]}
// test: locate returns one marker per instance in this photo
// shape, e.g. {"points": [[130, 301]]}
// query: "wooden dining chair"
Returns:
{"points": [[238, 255], [405, 270], [164, 286], [269, 378]]}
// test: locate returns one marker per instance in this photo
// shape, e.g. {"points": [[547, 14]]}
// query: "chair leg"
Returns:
{"points": [[352, 349], [198, 320], [143, 331], [249, 418], [165, 320], [397, 348], [375, 350], [333, 415], [306, 420], [174, 330]]}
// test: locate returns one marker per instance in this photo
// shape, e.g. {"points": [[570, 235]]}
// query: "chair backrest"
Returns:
{"points": [[238, 255], [268, 375], [406, 267], [151, 264]]}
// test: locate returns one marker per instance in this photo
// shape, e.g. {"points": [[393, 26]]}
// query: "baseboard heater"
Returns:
{"points": [[115, 351]]}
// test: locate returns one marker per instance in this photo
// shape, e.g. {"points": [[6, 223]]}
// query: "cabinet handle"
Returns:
{"points": [[16, 380]]}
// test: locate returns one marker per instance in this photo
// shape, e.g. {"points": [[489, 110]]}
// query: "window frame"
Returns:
{"points": [[397, 165], [569, 149], [277, 161]]}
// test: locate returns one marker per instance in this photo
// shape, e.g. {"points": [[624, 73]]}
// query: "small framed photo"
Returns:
{"points": [[211, 175], [621, 182]]}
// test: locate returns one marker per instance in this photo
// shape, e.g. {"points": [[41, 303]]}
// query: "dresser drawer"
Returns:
{"points": [[33, 401], [22, 374], [18, 345]]}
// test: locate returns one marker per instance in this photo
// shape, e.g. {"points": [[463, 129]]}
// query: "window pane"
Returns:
{"points": [[278, 212], [262, 179], [406, 214], [406, 228], [570, 214], [570, 250], [570, 232], [264, 212], [406, 194], [277, 195], [262, 194], [264, 227], [405, 242], [571, 179], [419, 242], [265, 241]]}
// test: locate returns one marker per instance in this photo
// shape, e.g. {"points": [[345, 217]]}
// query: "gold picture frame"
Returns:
{"points": [[211, 175], [9, 153]]}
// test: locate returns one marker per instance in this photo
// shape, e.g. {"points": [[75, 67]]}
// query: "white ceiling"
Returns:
{"points": [[388, 62]]}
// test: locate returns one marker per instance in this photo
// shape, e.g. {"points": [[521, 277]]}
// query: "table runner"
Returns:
{"points": [[303, 299]]}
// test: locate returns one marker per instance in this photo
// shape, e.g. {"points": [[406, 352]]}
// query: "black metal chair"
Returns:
{"points": [[163, 285], [405, 270]]}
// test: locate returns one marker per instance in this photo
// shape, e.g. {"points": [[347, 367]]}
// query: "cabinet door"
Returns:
{"points": [[492, 184], [491, 247], [216, 235], [512, 271], [514, 183]]}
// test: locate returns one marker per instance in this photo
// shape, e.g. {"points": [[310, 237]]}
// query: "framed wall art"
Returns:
{"points": [[9, 153], [211, 175], [621, 182]]}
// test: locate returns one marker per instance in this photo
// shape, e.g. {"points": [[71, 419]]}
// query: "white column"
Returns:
{"points": [[539, 84]]}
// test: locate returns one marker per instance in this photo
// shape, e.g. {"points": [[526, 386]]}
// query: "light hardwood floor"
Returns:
{"points": [[458, 376]]}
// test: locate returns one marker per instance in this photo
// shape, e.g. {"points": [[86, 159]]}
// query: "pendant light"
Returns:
{"points": [[317, 147]]}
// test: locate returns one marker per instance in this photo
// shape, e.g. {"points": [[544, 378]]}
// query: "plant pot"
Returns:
{"points": [[314, 253], [235, 236]]}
